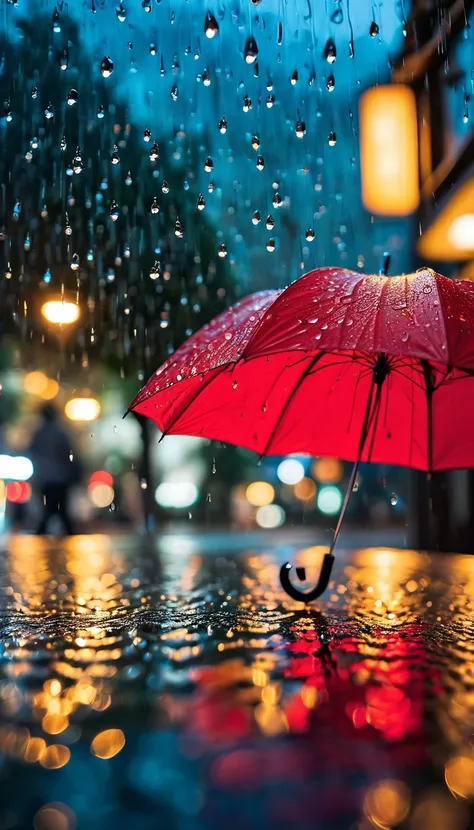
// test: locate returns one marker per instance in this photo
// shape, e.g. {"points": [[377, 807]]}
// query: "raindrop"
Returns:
{"points": [[337, 15], [310, 235], [165, 187], [155, 208], [115, 158], [56, 23], [64, 61], [330, 52], [146, 135], [178, 229], [100, 111], [255, 142], [269, 223], [332, 138], [121, 13], [251, 50], [294, 78], [277, 200], [393, 499], [201, 202], [260, 163], [300, 129], [72, 97], [154, 152], [208, 165], [222, 252], [106, 67], [247, 104], [75, 262], [330, 83], [211, 26], [49, 112], [155, 270], [222, 126], [67, 227], [234, 384], [114, 211], [152, 49], [174, 92], [128, 179], [206, 79], [256, 218], [270, 101], [271, 245], [34, 92], [210, 187], [374, 29], [27, 242]]}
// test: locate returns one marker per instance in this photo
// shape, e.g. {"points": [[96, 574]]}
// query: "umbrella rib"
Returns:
{"points": [[429, 389], [289, 399], [188, 404]]}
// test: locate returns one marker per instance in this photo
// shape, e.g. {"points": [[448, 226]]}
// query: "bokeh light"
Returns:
{"points": [[387, 803], [82, 409], [101, 495], [305, 490], [108, 743], [329, 500], [270, 516], [260, 493], [60, 312], [290, 471], [177, 495], [328, 470]]}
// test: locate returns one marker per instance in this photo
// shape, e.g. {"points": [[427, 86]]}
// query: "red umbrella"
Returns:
{"points": [[364, 368]]}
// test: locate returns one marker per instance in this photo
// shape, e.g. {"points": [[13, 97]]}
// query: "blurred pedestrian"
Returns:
{"points": [[56, 469]]}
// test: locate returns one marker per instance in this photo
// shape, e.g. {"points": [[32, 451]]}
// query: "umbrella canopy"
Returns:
{"points": [[364, 368]]}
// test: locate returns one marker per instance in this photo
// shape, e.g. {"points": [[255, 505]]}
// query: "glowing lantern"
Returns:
{"points": [[389, 150]]}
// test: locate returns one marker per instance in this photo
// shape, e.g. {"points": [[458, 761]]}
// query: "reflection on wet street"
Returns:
{"points": [[164, 686]]}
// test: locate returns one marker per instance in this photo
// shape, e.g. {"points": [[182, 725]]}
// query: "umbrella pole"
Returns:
{"points": [[350, 487]]}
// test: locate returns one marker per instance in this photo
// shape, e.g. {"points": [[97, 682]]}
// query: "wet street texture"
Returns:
{"points": [[173, 685]]}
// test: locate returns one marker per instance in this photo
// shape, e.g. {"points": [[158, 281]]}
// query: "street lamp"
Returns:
{"points": [[60, 312]]}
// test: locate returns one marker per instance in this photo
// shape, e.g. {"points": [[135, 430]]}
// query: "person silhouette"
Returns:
{"points": [[56, 469]]}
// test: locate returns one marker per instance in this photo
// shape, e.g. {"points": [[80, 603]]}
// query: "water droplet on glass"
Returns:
{"points": [[393, 499], [247, 104], [72, 97], [121, 13], [165, 188], [256, 218], [332, 138], [222, 251], [374, 29], [251, 50], [300, 129], [310, 235], [154, 152], [294, 78], [211, 26], [201, 202], [255, 142], [174, 92], [330, 52], [222, 126], [270, 223], [106, 67], [330, 83], [178, 229], [337, 15], [260, 163], [270, 245], [208, 165], [155, 208]]}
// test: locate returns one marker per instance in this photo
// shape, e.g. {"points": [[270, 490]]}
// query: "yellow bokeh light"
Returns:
{"points": [[35, 750], [82, 409], [459, 776], [54, 724], [108, 743], [260, 493], [55, 757], [52, 389], [35, 383], [387, 803], [60, 312], [101, 495], [389, 150], [328, 470], [305, 490], [54, 816]]}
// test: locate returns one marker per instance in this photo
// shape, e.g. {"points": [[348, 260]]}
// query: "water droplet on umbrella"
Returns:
{"points": [[106, 67], [201, 202], [330, 52], [332, 138], [300, 129], [211, 26], [294, 78], [270, 245], [260, 163], [374, 29], [404, 337], [256, 218], [251, 50], [222, 126], [121, 13]]}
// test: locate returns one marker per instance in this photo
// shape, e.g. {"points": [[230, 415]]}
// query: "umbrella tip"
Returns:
{"points": [[126, 413]]}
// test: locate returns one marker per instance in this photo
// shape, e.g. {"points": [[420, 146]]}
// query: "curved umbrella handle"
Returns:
{"points": [[302, 596]]}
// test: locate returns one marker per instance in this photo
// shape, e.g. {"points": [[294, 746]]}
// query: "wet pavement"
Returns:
{"points": [[174, 685]]}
